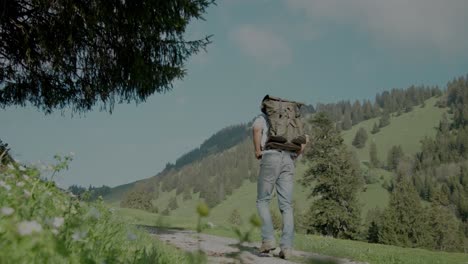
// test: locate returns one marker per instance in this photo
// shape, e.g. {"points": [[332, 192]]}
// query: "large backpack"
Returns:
{"points": [[286, 129]]}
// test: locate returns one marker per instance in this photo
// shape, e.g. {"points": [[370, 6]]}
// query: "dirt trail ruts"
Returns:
{"points": [[223, 250]]}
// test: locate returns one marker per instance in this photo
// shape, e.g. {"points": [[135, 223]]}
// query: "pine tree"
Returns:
{"points": [[360, 138], [405, 220], [337, 180], [384, 120], [347, 123], [373, 223], [395, 154], [356, 113], [74, 55], [374, 160], [375, 129], [446, 228]]}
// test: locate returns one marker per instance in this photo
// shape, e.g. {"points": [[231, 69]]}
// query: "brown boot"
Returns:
{"points": [[267, 246], [285, 253]]}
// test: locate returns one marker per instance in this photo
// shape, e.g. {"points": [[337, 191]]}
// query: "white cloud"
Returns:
{"points": [[436, 24], [262, 45]]}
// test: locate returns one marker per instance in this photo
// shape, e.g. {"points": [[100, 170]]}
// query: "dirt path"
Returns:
{"points": [[223, 250]]}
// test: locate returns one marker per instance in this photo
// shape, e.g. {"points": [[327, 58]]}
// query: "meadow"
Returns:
{"points": [[40, 223], [354, 250]]}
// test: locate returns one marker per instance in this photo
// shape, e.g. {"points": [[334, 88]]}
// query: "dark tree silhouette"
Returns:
{"points": [[57, 54]]}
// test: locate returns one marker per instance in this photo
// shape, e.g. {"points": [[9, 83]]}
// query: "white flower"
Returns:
{"points": [[57, 222], [27, 193], [94, 213], [4, 185], [21, 168], [20, 184], [10, 166], [77, 235], [25, 177], [55, 231], [7, 211], [29, 227]]}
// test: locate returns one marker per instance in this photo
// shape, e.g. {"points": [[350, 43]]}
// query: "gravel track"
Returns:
{"points": [[226, 250]]}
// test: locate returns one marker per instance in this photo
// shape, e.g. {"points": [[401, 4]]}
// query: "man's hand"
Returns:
{"points": [[299, 152], [258, 154]]}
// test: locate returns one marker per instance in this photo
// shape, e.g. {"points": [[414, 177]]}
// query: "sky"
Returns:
{"points": [[306, 50]]}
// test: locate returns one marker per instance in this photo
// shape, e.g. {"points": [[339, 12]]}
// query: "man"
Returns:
{"points": [[276, 170]]}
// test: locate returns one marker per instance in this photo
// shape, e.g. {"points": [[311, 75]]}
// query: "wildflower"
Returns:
{"points": [[20, 184], [21, 168], [55, 231], [27, 193], [57, 222], [7, 211], [77, 235], [28, 227], [4, 185], [25, 177], [94, 213]]}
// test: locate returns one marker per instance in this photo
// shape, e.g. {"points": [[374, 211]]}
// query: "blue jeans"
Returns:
{"points": [[276, 170]]}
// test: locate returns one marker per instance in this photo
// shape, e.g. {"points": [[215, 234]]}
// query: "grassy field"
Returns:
{"points": [[40, 223], [406, 130], [355, 250]]}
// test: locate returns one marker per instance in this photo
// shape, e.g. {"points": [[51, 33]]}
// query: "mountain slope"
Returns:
{"points": [[421, 120]]}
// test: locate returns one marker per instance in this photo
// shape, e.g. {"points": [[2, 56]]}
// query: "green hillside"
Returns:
{"points": [[117, 192], [406, 130]]}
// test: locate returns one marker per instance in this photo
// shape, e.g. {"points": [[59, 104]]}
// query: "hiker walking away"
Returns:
{"points": [[278, 140]]}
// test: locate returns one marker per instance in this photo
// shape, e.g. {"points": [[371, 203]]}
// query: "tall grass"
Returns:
{"points": [[40, 223]]}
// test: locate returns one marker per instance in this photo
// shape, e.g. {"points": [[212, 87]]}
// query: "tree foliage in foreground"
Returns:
{"points": [[57, 54], [337, 179]]}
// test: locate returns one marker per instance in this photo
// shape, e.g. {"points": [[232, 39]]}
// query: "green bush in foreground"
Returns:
{"points": [[39, 223]]}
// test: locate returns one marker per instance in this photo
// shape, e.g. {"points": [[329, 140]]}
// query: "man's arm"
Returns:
{"points": [[257, 137]]}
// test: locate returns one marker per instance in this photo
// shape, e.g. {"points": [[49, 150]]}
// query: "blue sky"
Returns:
{"points": [[306, 50]]}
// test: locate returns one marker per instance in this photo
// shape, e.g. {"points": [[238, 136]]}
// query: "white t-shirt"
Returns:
{"points": [[261, 122]]}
